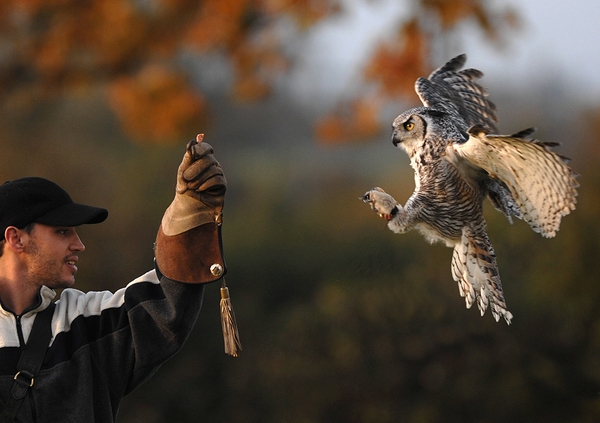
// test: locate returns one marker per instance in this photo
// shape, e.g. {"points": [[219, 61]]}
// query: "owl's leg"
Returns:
{"points": [[387, 208], [474, 268]]}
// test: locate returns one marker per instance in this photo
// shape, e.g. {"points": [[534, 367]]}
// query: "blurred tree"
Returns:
{"points": [[48, 47]]}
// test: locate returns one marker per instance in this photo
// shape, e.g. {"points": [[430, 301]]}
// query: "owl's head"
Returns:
{"points": [[408, 132], [412, 127]]}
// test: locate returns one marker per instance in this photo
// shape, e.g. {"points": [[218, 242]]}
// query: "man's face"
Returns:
{"points": [[52, 255]]}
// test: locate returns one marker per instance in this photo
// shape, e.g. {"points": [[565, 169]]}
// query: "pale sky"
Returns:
{"points": [[559, 39]]}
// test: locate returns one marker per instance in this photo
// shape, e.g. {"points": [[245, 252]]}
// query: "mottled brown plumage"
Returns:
{"points": [[457, 164]]}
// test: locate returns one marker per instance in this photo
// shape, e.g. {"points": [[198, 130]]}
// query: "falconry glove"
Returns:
{"points": [[200, 190], [188, 244]]}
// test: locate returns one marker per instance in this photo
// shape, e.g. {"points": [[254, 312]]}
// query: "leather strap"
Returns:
{"points": [[29, 363]]}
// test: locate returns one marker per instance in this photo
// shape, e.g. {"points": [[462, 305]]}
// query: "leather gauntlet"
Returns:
{"points": [[188, 244]]}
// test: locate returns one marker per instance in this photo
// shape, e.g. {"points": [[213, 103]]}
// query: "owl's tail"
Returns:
{"points": [[474, 268]]}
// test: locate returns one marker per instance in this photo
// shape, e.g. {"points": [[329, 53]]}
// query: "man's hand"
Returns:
{"points": [[200, 190], [200, 175]]}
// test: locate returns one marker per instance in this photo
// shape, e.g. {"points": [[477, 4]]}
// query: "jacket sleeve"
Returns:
{"points": [[184, 263], [115, 341], [130, 333]]}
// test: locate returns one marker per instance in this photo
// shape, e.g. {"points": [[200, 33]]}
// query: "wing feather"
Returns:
{"points": [[540, 182], [453, 90], [474, 268]]}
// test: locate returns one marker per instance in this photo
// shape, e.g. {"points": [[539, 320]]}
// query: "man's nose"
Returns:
{"points": [[77, 245]]}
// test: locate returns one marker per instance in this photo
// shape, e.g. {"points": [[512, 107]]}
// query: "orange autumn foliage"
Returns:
{"points": [[451, 12], [358, 121], [52, 46], [156, 104], [396, 66]]}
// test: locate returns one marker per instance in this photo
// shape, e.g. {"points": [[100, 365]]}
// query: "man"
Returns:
{"points": [[103, 345]]}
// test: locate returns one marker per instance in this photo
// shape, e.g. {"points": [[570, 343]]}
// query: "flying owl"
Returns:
{"points": [[458, 162]]}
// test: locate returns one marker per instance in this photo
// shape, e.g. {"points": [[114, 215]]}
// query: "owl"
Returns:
{"points": [[458, 162]]}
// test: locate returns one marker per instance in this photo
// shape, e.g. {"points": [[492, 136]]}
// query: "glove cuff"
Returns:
{"points": [[186, 213], [194, 256]]}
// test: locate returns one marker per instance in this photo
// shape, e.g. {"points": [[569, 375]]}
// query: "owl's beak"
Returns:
{"points": [[395, 140]]}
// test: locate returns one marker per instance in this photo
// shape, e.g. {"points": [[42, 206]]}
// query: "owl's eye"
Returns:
{"points": [[409, 126]]}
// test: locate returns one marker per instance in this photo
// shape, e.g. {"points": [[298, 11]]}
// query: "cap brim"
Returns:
{"points": [[73, 214]]}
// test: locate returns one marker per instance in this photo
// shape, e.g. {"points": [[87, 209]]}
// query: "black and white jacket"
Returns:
{"points": [[103, 346]]}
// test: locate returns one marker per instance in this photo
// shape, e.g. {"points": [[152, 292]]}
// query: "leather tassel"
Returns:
{"points": [[231, 337]]}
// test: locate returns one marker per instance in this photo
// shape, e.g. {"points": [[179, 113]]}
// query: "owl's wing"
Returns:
{"points": [[455, 92], [543, 187]]}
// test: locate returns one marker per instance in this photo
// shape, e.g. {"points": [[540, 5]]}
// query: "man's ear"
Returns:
{"points": [[13, 237]]}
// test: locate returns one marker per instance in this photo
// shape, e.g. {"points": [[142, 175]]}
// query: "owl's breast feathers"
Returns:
{"points": [[445, 200]]}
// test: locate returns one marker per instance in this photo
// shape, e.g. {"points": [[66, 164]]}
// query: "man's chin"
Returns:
{"points": [[63, 284]]}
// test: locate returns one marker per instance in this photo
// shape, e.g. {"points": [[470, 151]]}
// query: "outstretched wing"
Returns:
{"points": [[454, 91], [543, 187]]}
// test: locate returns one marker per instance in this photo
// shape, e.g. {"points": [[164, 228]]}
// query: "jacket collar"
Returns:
{"points": [[45, 297]]}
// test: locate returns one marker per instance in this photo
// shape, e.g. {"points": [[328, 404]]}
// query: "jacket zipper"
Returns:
{"points": [[20, 332]]}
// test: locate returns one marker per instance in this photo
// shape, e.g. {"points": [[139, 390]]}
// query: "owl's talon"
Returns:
{"points": [[381, 203], [385, 216]]}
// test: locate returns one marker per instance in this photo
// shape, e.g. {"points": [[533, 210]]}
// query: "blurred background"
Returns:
{"points": [[340, 319]]}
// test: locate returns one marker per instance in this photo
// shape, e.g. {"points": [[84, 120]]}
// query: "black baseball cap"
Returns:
{"points": [[38, 200]]}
